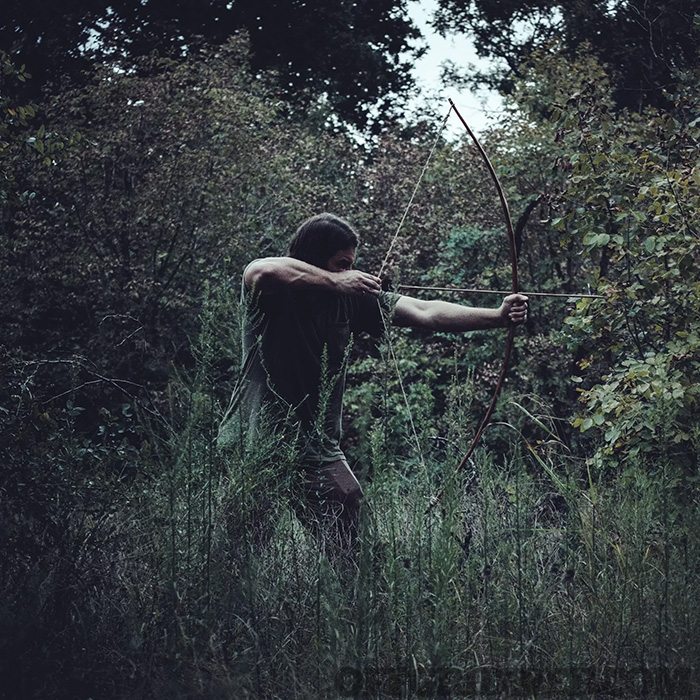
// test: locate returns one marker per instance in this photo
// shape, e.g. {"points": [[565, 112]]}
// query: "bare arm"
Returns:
{"points": [[269, 275], [445, 316]]}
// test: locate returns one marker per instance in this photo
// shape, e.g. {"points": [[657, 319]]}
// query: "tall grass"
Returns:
{"points": [[533, 576]]}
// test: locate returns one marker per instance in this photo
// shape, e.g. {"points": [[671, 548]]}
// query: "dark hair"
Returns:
{"points": [[319, 238]]}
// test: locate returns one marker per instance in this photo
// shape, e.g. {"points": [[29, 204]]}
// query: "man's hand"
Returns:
{"points": [[514, 308], [357, 282]]}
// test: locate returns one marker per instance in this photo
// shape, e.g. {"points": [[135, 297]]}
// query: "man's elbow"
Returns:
{"points": [[427, 316], [261, 275]]}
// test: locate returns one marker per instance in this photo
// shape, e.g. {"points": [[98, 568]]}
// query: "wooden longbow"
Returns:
{"points": [[514, 290]]}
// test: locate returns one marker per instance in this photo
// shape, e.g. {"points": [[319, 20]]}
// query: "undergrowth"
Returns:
{"points": [[531, 576]]}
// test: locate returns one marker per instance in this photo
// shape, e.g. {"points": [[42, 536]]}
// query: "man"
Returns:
{"points": [[301, 313]]}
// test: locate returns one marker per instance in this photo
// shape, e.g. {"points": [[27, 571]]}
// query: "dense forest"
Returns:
{"points": [[148, 152]]}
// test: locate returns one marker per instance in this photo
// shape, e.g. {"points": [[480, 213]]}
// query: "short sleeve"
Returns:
{"points": [[372, 314]]}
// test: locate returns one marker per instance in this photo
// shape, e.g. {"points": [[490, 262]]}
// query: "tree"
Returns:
{"points": [[354, 54], [645, 45]]}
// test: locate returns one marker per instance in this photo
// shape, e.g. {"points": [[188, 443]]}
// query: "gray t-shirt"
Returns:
{"points": [[295, 351]]}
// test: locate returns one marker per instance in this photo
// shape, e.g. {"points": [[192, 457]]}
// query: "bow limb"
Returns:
{"points": [[514, 289]]}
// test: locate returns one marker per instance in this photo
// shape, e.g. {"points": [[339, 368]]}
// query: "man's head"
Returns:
{"points": [[321, 237]]}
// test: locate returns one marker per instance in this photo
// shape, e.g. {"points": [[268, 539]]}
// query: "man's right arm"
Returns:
{"points": [[269, 275]]}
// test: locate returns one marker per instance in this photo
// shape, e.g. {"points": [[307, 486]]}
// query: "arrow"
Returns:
{"points": [[501, 291]]}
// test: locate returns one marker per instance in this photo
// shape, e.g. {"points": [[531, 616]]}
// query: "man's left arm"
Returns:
{"points": [[445, 316]]}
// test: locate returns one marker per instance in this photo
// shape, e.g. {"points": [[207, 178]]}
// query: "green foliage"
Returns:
{"points": [[386, 397], [645, 406], [16, 135], [629, 197]]}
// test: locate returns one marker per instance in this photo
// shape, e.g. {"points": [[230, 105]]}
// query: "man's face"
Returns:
{"points": [[342, 260]]}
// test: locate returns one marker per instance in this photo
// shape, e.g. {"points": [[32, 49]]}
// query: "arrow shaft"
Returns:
{"points": [[500, 291]]}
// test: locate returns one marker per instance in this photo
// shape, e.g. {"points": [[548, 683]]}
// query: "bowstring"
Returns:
{"points": [[415, 191], [399, 377], [387, 334]]}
